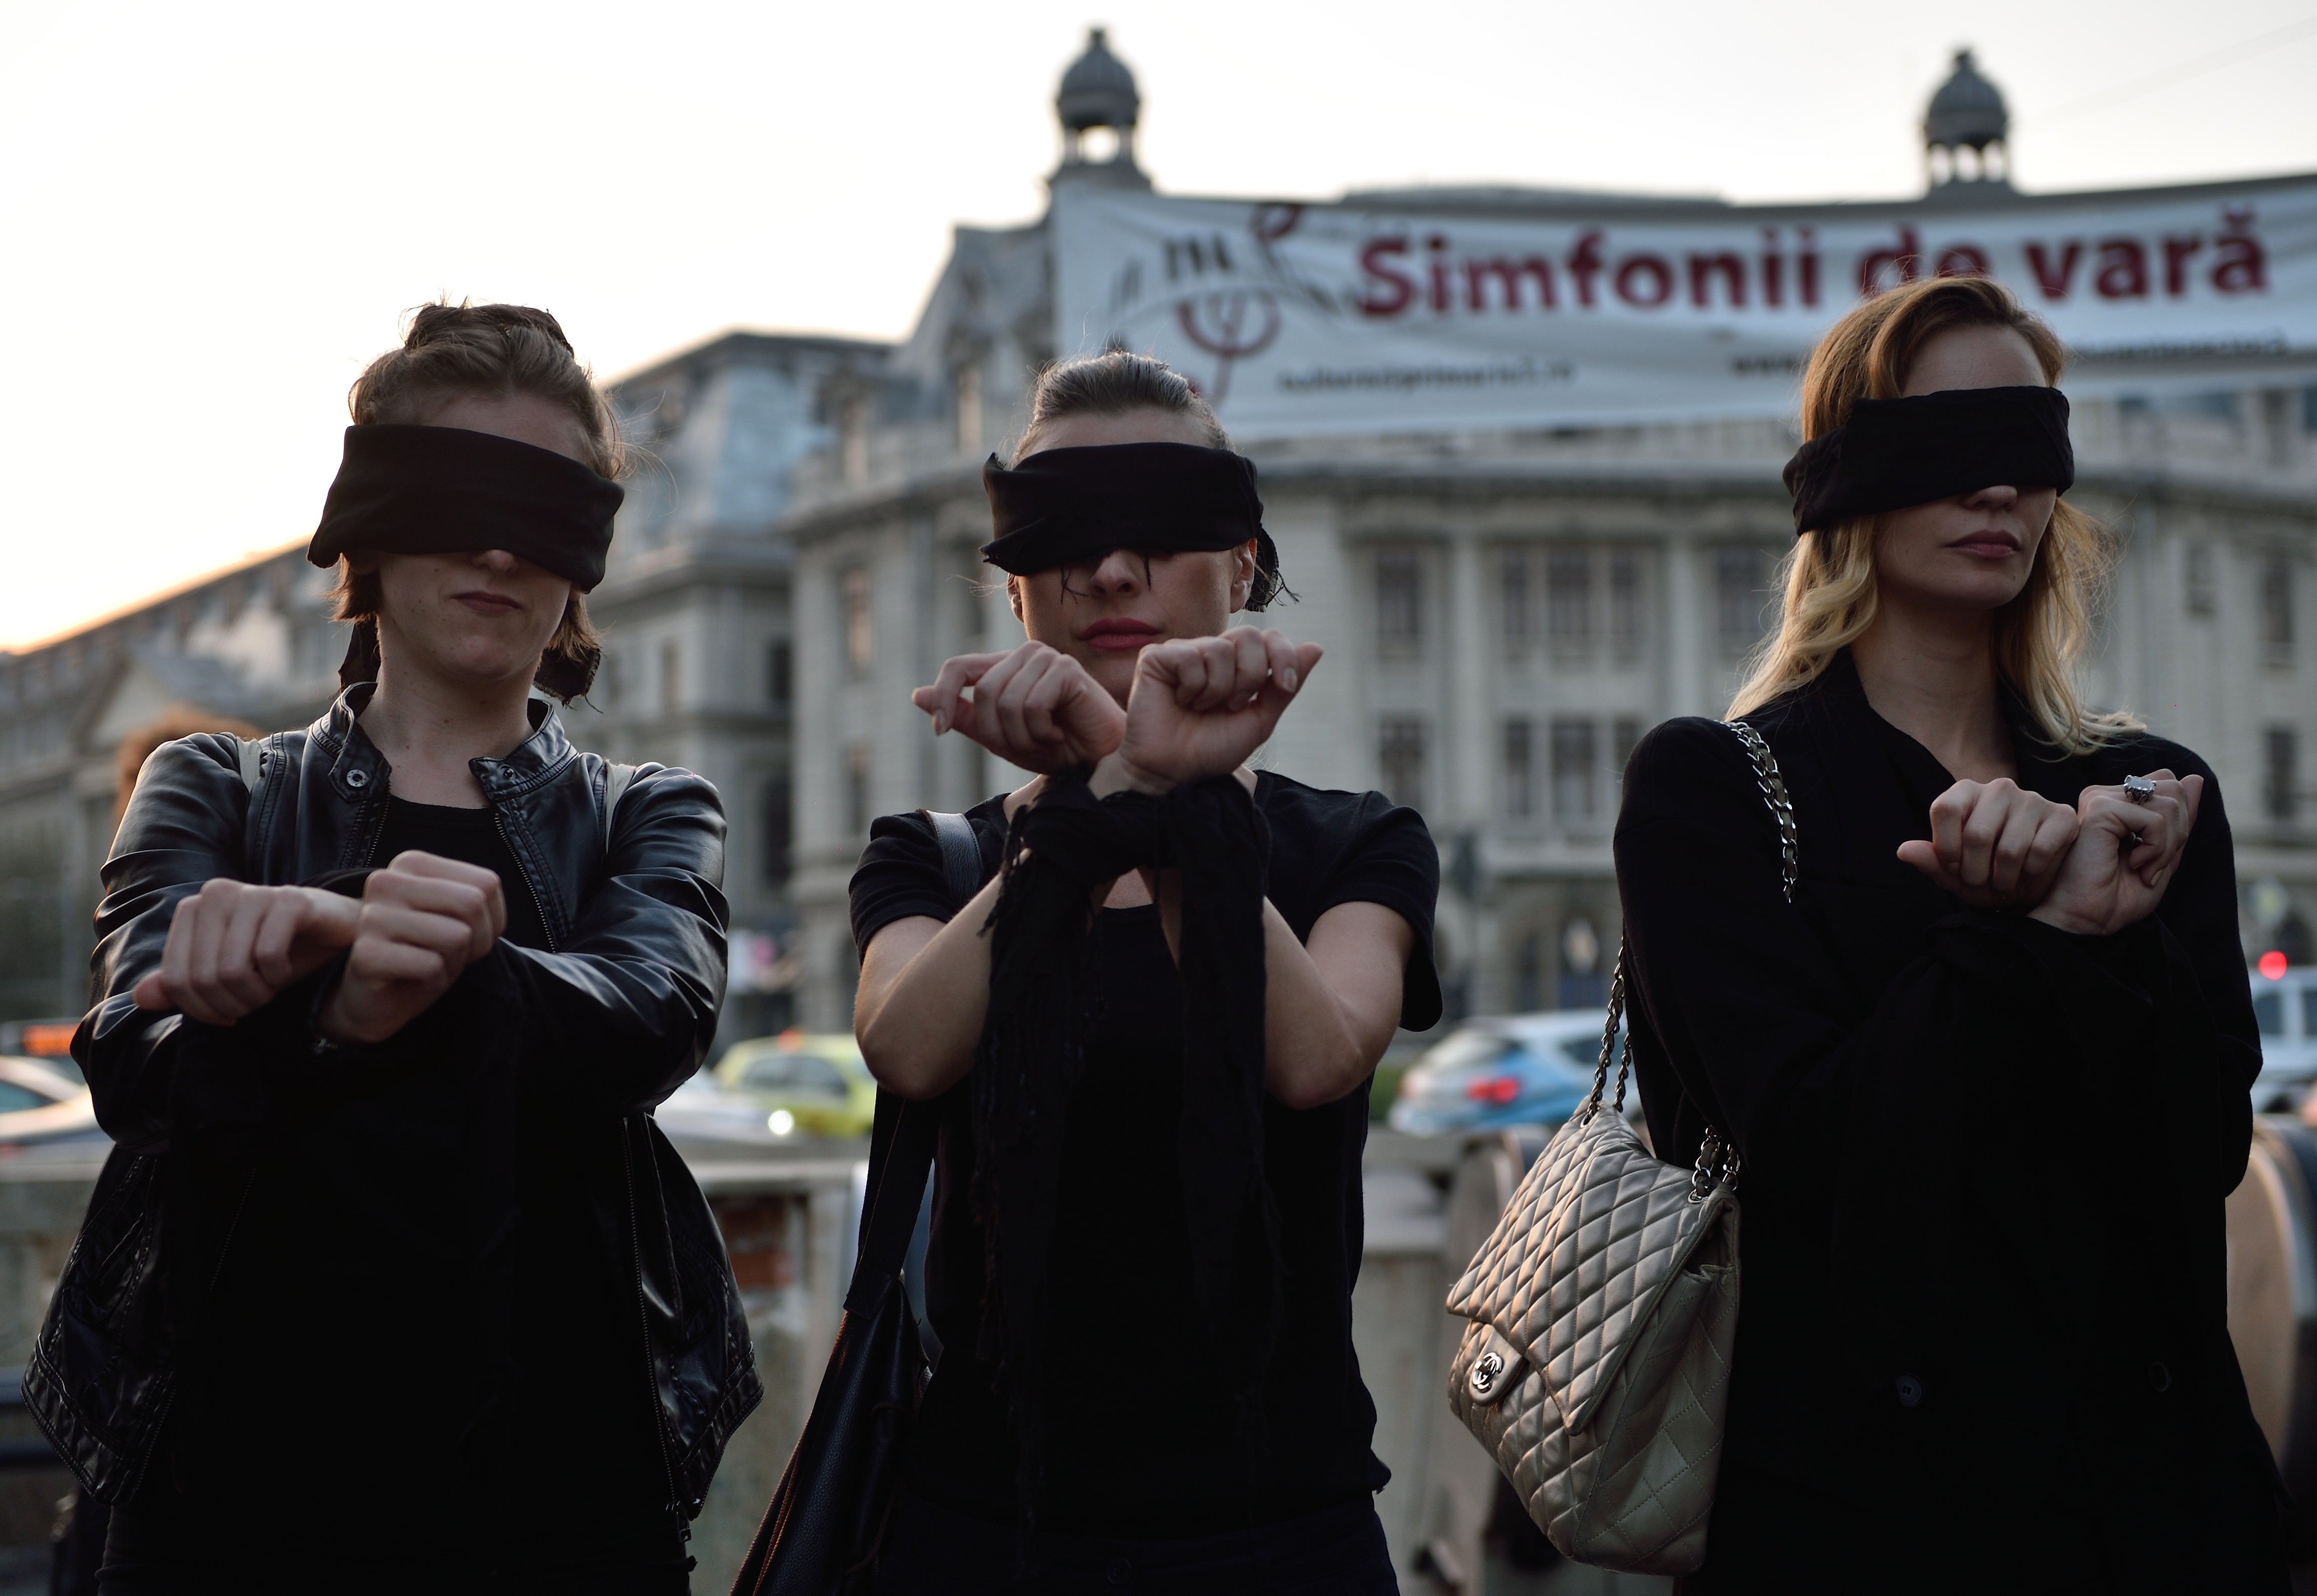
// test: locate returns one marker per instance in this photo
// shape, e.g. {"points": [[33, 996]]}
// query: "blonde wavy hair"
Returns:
{"points": [[1831, 595]]}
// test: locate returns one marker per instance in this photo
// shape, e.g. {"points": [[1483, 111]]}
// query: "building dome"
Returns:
{"points": [[1097, 91], [1967, 111], [1099, 97]]}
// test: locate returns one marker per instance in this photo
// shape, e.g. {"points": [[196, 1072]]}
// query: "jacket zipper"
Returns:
{"points": [[372, 820], [499, 823], [643, 1317], [635, 1235], [635, 1229]]}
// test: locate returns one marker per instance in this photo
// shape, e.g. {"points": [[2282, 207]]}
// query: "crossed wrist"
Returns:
{"points": [[1115, 773], [2062, 919]]}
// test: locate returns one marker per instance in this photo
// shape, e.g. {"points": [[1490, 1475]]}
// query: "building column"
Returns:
{"points": [[1467, 765], [924, 644], [1687, 615]]}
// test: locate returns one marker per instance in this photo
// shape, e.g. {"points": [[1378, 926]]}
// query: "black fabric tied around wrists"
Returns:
{"points": [[1893, 453], [1044, 1003]]}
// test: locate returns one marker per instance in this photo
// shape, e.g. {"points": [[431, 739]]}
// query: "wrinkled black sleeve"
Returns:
{"points": [[186, 823], [1736, 993], [627, 1004]]}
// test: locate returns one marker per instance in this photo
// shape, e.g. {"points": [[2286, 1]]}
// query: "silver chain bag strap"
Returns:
{"points": [[1603, 1311]]}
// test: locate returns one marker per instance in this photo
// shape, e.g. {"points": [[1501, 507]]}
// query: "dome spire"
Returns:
{"points": [[1098, 95], [1966, 113]]}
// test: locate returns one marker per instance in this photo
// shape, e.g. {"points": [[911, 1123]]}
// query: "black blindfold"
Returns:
{"points": [[1892, 454], [1071, 507], [443, 489]]}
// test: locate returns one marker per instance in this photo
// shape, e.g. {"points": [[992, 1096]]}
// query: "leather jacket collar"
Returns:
{"points": [[357, 770]]}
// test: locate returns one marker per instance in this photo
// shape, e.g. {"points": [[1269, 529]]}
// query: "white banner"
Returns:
{"points": [[1300, 320]]}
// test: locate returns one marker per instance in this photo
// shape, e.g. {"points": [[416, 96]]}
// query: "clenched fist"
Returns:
{"points": [[1033, 707], [423, 920], [232, 948], [1994, 844], [1201, 706]]}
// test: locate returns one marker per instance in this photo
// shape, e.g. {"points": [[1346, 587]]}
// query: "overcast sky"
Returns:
{"points": [[214, 214]]}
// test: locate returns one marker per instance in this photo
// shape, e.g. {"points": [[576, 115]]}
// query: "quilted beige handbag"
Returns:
{"points": [[1603, 1309]]}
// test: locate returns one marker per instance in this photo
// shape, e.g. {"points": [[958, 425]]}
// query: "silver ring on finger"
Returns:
{"points": [[2139, 789], [2134, 839]]}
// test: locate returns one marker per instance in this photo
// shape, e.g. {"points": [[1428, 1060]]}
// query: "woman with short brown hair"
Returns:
{"points": [[390, 1284], [1981, 1041]]}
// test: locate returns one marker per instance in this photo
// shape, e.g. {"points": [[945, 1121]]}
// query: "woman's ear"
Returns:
{"points": [[1013, 598], [1243, 570]]}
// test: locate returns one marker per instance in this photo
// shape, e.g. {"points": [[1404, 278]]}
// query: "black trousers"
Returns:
{"points": [[933, 1551], [1773, 1537], [146, 1555]]}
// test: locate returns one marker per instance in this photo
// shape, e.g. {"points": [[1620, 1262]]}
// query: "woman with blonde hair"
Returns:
{"points": [[1977, 1028]]}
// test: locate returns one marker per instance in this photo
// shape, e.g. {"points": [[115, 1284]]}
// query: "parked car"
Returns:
{"points": [[704, 1110], [806, 1084], [1521, 1069], [2285, 1006], [41, 1105]]}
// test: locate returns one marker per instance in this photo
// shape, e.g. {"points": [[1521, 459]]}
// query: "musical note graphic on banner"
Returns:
{"points": [[1218, 323]]}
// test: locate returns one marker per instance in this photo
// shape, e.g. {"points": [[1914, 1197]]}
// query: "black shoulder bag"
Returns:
{"points": [[828, 1517]]}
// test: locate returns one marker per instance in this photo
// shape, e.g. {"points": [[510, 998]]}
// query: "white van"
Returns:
{"points": [[2286, 1008]]}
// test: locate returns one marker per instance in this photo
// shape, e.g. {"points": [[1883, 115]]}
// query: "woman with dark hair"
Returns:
{"points": [[1977, 1027], [1149, 1037], [391, 1283]]}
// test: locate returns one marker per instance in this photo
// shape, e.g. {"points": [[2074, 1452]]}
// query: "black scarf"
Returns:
{"points": [[1892, 454], [1044, 1000]]}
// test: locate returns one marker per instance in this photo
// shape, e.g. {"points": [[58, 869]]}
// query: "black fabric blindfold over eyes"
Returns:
{"points": [[1072, 506], [443, 489], [1891, 454]]}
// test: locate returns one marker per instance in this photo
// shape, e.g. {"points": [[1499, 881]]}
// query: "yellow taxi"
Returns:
{"points": [[809, 1084]]}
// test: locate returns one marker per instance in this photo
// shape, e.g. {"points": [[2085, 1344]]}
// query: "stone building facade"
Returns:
{"points": [[1506, 612], [252, 644], [695, 608]]}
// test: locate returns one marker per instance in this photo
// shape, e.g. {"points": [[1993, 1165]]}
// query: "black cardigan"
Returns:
{"points": [[1984, 1314]]}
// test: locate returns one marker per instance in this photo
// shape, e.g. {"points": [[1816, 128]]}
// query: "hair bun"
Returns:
{"points": [[438, 323]]}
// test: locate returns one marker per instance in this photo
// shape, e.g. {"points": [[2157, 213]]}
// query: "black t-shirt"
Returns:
{"points": [[472, 1362], [1139, 1435], [472, 836]]}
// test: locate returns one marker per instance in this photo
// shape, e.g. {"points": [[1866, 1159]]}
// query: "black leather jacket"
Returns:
{"points": [[625, 996]]}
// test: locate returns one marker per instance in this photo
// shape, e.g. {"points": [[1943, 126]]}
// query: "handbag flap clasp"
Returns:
{"points": [[1581, 1257]]}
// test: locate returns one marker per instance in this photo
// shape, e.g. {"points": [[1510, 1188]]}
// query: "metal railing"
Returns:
{"points": [[16, 1455]]}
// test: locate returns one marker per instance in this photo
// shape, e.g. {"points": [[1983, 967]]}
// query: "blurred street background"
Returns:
{"points": [[1509, 306]]}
